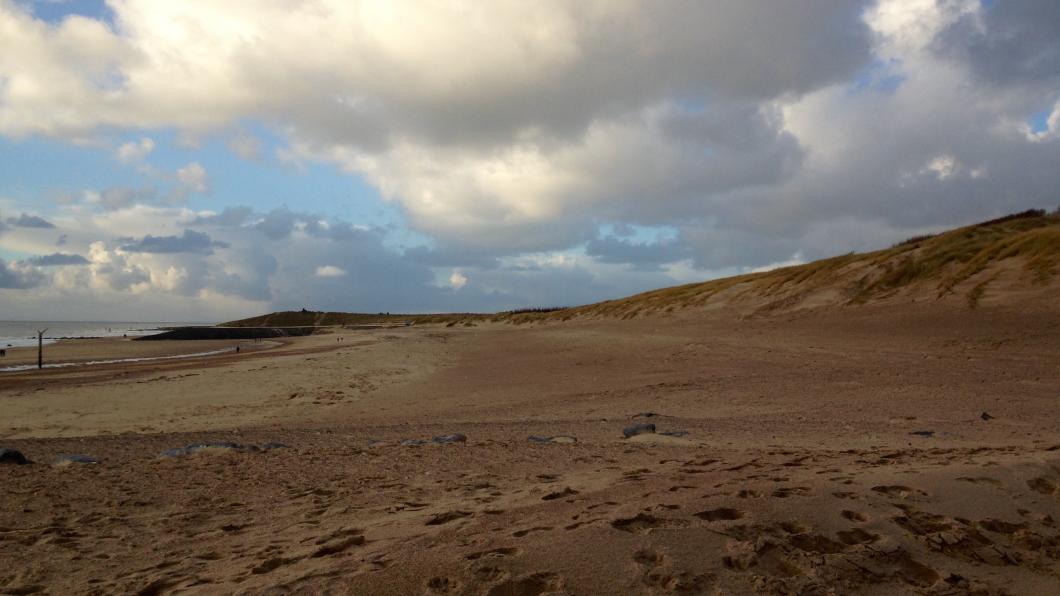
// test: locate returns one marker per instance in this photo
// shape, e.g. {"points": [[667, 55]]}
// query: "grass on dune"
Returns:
{"points": [[945, 259]]}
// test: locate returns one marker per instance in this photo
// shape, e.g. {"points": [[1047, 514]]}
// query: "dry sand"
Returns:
{"points": [[800, 472]]}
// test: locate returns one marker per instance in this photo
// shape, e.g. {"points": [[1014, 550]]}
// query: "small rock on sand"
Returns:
{"points": [[217, 446], [638, 429], [12, 456], [76, 458], [661, 439], [453, 438], [561, 439]]}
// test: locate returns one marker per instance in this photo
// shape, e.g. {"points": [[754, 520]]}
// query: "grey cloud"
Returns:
{"points": [[546, 286], [647, 256], [748, 51], [229, 216], [252, 281], [122, 277], [377, 279], [451, 256], [29, 221], [57, 259], [1009, 41], [190, 242], [278, 223], [18, 279]]}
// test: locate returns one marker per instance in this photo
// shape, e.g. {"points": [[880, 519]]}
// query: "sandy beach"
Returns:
{"points": [[880, 450]]}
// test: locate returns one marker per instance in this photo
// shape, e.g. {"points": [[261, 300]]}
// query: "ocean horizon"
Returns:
{"points": [[15, 334]]}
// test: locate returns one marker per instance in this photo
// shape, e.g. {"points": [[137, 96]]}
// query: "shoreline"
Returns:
{"points": [[74, 364], [78, 353]]}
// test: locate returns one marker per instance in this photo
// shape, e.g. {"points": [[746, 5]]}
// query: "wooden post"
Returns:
{"points": [[40, 347]]}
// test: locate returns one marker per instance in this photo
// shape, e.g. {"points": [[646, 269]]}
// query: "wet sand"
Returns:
{"points": [[837, 451], [83, 350]]}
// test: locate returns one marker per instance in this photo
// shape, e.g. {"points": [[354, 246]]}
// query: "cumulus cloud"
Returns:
{"points": [[457, 280], [193, 178], [18, 277], [135, 152], [519, 138]]}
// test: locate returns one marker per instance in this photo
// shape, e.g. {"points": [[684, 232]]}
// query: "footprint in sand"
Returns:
{"points": [[783, 493], [793, 527], [649, 558], [815, 543], [488, 573], [442, 585], [853, 515], [856, 536], [577, 525], [915, 572], [528, 585], [657, 574], [898, 491], [338, 542], [1001, 527], [493, 553], [720, 514], [524, 532], [981, 480], [567, 492], [444, 518], [1042, 485], [643, 522]]}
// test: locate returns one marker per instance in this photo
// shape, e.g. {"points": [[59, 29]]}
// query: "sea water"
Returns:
{"points": [[15, 334]]}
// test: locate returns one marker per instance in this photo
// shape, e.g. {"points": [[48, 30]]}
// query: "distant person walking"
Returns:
{"points": [[3, 353]]}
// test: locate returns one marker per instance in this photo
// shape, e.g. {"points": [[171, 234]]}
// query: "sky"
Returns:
{"points": [[205, 161]]}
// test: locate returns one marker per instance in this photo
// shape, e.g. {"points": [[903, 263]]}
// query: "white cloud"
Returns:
{"points": [[330, 271], [193, 177], [135, 152], [245, 145], [943, 167], [457, 280], [508, 133], [1051, 130]]}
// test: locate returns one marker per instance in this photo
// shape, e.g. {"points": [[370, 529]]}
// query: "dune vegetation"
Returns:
{"points": [[944, 263], [961, 263]]}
